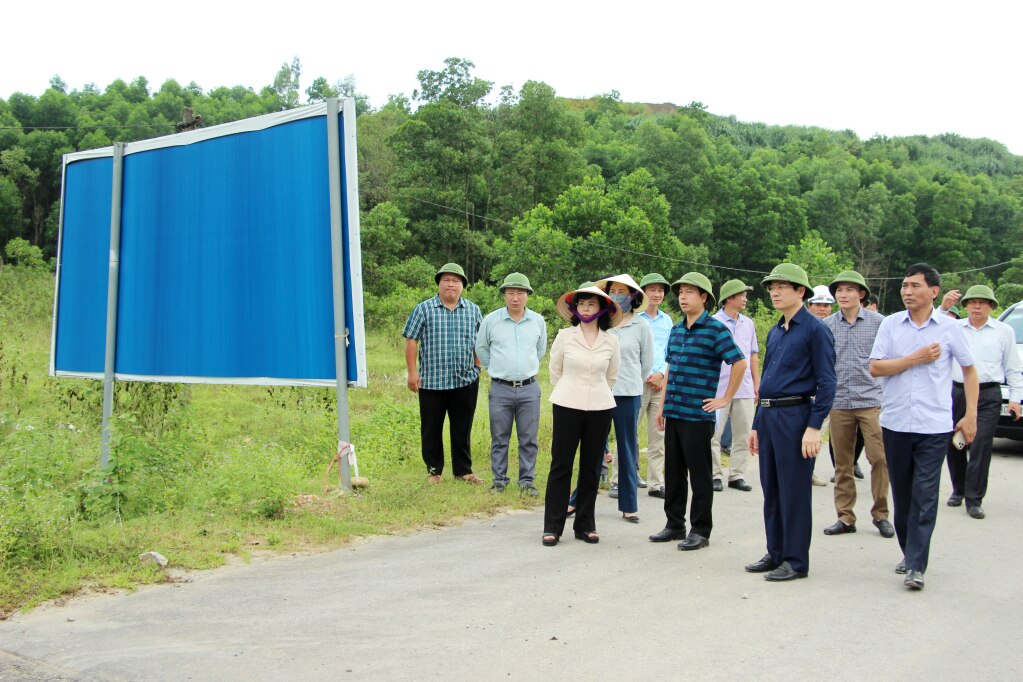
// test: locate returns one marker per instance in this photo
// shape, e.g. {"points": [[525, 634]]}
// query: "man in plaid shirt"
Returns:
{"points": [[441, 334], [857, 404]]}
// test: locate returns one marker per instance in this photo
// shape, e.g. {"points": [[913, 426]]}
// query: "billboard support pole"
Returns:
{"points": [[338, 276], [112, 284]]}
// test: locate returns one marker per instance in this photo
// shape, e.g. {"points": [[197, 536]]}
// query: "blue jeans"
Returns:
{"points": [[626, 418]]}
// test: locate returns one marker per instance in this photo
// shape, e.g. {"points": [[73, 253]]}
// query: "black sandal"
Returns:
{"points": [[590, 537], [549, 539]]}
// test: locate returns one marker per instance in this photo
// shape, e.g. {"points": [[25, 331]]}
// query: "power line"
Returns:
{"points": [[576, 240], [119, 126]]}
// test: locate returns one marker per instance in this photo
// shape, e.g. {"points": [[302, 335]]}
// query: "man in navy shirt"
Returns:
{"points": [[797, 389]]}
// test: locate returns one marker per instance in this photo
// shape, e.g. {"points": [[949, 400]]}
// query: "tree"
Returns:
{"points": [[454, 82], [285, 87], [815, 256]]}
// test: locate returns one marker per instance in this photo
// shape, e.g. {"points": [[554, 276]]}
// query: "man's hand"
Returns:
{"points": [[968, 425], [1014, 410], [413, 382], [950, 299], [655, 381], [925, 354], [660, 419], [752, 444], [714, 404], [811, 442]]}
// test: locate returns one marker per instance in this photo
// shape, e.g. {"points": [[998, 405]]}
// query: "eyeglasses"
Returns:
{"points": [[779, 286]]}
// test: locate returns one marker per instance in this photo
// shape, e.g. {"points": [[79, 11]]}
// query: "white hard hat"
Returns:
{"points": [[821, 294]]}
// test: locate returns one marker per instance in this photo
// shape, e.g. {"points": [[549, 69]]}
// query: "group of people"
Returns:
{"points": [[911, 388]]}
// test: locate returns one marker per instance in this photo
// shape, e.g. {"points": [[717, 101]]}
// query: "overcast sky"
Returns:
{"points": [[893, 68]]}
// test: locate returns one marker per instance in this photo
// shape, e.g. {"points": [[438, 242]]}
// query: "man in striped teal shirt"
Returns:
{"points": [[697, 346]]}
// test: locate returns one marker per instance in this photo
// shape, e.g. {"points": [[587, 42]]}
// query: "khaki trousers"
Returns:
{"points": [[843, 443], [741, 412]]}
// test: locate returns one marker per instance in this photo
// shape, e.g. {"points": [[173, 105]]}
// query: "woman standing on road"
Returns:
{"points": [[584, 366], [636, 343]]}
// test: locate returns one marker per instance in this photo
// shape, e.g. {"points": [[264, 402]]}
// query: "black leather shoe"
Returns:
{"points": [[955, 500], [885, 528], [783, 573], [763, 566], [839, 528], [717, 485], [900, 567], [740, 484], [656, 492], [914, 580], [976, 512], [590, 537], [693, 541], [668, 534], [857, 471]]}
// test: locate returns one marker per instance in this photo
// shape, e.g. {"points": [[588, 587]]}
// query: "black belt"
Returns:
{"points": [[514, 384], [984, 385], [785, 402]]}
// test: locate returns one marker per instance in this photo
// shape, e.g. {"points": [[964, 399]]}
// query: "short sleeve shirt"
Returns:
{"points": [[446, 341], [694, 356]]}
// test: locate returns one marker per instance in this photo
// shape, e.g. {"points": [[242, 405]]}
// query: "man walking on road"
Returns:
{"points": [[796, 392], [857, 405], [443, 370], [655, 287], [511, 342], [696, 348], [733, 302], [913, 353], [993, 345]]}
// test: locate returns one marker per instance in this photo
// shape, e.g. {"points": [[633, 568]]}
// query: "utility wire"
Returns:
{"points": [[95, 127], [577, 240]]}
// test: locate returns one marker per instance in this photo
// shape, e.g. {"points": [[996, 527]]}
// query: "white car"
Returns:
{"points": [[1007, 426]]}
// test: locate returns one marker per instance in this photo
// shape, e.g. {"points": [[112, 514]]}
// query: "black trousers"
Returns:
{"points": [[970, 479], [687, 461], [459, 405], [914, 467], [587, 431]]}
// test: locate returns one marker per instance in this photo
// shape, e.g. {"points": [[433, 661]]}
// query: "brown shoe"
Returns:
{"points": [[435, 479], [472, 478]]}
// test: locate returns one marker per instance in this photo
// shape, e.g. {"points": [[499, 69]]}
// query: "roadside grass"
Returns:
{"points": [[201, 473]]}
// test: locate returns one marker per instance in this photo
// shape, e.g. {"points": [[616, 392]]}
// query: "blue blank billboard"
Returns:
{"points": [[225, 256]]}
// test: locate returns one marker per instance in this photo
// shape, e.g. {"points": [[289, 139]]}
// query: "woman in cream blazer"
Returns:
{"points": [[584, 366]]}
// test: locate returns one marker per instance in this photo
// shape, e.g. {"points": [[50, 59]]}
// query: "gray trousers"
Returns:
{"points": [[521, 405]]}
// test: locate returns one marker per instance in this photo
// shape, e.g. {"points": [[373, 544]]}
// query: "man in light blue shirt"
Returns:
{"points": [[656, 287], [510, 344], [913, 353]]}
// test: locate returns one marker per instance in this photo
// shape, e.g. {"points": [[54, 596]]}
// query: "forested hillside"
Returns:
{"points": [[503, 179]]}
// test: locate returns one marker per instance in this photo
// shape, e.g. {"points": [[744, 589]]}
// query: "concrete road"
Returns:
{"points": [[485, 601]]}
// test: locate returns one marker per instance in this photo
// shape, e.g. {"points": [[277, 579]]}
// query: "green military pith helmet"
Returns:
{"points": [[452, 269], [791, 273], [654, 278], [979, 291], [698, 280], [515, 280], [849, 277], [731, 288]]}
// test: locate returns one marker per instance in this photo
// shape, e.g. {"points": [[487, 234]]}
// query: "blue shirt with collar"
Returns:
{"points": [[800, 362], [660, 327], [512, 350]]}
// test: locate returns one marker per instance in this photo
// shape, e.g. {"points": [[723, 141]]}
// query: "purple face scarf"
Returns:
{"points": [[589, 318]]}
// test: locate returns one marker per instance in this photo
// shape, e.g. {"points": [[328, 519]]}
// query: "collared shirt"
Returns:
{"points": [[446, 339], [853, 343], [800, 362], [994, 350], [512, 350], [660, 327], [636, 343], [745, 334], [695, 355], [582, 375], [919, 399]]}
